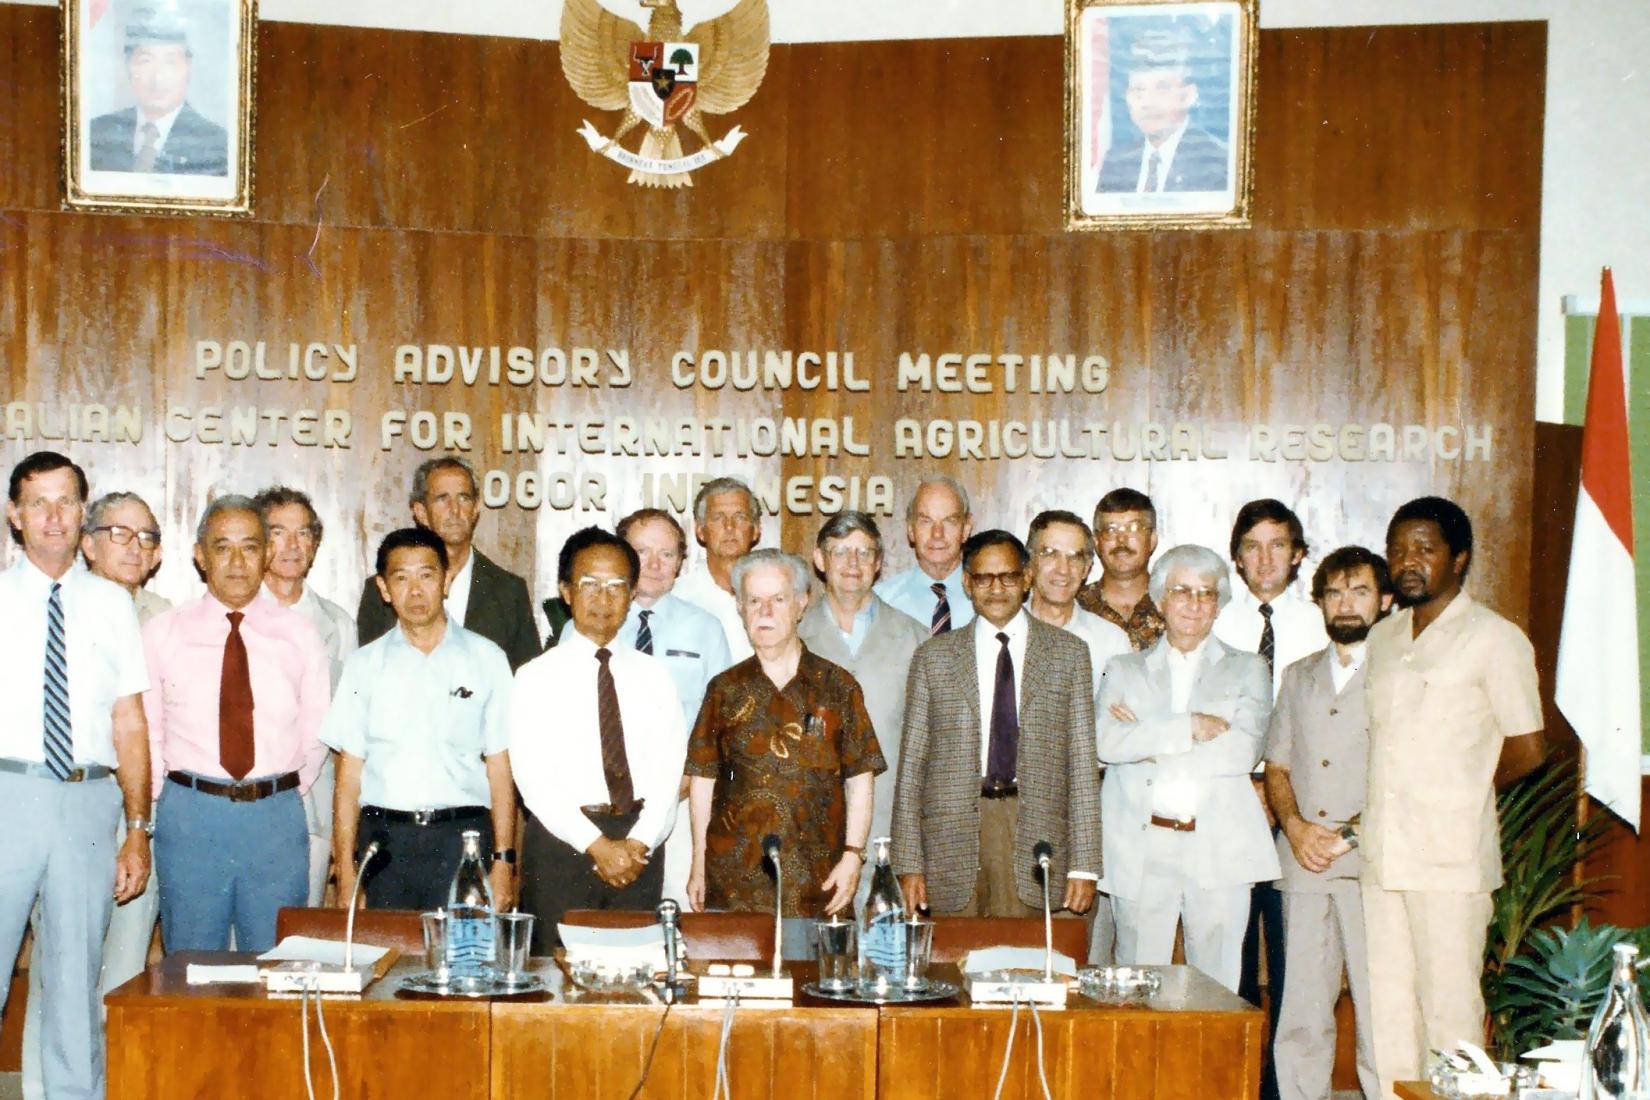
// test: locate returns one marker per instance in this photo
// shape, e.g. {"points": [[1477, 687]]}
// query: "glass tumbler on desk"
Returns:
{"points": [[515, 942], [435, 943], [919, 948], [835, 946]]}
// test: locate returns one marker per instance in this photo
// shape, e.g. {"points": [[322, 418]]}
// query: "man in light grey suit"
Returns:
{"points": [[1180, 729], [855, 628], [996, 754], [1317, 775]]}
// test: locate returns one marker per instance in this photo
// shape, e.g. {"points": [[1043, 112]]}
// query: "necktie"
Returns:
{"points": [[1268, 642], [615, 766], [644, 634], [941, 622], [1152, 163], [235, 704], [1000, 761], [59, 738], [145, 161]]}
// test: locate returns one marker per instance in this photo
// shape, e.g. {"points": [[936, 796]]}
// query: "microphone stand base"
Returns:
{"points": [[1000, 989], [298, 977]]}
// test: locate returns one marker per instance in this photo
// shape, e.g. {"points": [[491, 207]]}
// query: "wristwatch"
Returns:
{"points": [[1348, 833], [504, 855], [856, 849], [143, 824]]}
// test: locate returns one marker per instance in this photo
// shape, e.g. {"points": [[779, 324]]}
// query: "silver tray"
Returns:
{"points": [[931, 990], [432, 983]]}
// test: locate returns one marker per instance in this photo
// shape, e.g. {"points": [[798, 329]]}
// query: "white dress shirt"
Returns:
{"points": [[556, 744], [457, 602], [1341, 675], [103, 648], [1175, 795], [163, 126], [1165, 158], [335, 626], [688, 639], [1104, 639], [422, 722], [913, 593], [1297, 627], [986, 649], [701, 590]]}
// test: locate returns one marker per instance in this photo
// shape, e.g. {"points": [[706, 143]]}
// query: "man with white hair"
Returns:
{"points": [[937, 523], [1180, 729], [726, 523]]}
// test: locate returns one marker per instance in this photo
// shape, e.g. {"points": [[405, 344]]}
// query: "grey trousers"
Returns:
{"points": [[57, 845], [1322, 932]]}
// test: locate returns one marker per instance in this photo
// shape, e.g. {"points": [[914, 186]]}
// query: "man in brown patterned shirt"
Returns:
{"points": [[1125, 534]]}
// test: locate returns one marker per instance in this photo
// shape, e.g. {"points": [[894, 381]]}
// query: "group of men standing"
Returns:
{"points": [[1182, 746]]}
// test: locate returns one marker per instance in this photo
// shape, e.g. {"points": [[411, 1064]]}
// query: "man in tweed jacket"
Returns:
{"points": [[997, 753]]}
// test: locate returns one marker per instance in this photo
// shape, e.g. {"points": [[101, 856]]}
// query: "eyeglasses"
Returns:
{"points": [[1052, 554], [1193, 595], [122, 536], [1133, 527], [594, 586], [1015, 579], [862, 554]]}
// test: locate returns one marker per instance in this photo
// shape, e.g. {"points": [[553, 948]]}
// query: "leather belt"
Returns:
{"points": [[425, 817], [1175, 823], [999, 790], [237, 792], [40, 771], [607, 809]]}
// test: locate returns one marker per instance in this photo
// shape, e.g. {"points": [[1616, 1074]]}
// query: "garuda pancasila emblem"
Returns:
{"points": [[664, 79]]}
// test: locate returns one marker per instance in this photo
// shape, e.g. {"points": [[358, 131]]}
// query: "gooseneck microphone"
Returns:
{"points": [[668, 912], [770, 849], [1043, 853], [373, 849]]}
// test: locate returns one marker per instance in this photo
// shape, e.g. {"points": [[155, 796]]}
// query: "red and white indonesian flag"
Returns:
{"points": [[1598, 648]]}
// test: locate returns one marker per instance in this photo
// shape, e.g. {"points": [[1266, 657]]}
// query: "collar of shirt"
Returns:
{"points": [[163, 124], [1341, 674], [36, 582], [457, 602], [1165, 156], [863, 618], [398, 637], [1183, 669]]}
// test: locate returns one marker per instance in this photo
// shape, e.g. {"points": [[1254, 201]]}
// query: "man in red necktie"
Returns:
{"points": [[239, 686]]}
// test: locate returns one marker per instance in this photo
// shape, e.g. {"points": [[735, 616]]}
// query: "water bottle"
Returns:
{"points": [[1618, 1043], [882, 929], [470, 917]]}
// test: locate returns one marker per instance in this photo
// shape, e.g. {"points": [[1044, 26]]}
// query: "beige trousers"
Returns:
{"points": [[1424, 993], [1323, 931], [994, 891]]}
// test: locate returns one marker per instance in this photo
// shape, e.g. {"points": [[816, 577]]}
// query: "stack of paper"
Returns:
{"points": [[614, 948], [986, 960]]}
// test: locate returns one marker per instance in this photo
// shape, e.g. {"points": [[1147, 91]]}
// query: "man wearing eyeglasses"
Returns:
{"points": [[598, 748], [855, 628], [1180, 729], [1061, 552], [997, 754], [1125, 536], [726, 524], [686, 637], [121, 542], [294, 539]]}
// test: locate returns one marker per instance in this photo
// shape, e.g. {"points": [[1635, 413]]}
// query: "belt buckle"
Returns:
{"points": [[243, 792], [76, 775], [422, 817]]}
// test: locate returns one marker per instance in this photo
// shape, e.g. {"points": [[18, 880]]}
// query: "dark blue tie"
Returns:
{"points": [[644, 635], [59, 742], [1000, 758]]}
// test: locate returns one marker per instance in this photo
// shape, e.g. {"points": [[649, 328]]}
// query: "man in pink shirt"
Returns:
{"points": [[239, 686]]}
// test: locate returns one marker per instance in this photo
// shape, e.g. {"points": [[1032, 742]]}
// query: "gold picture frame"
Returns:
{"points": [[1160, 113], [158, 114]]}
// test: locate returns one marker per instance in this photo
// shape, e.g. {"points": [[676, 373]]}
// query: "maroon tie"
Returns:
{"points": [[621, 794], [235, 704]]}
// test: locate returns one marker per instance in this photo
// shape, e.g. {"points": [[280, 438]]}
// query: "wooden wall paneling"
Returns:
{"points": [[31, 176]]}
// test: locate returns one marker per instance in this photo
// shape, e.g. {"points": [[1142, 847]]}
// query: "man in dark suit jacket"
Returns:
{"points": [[483, 596], [1172, 155], [162, 133], [997, 753]]}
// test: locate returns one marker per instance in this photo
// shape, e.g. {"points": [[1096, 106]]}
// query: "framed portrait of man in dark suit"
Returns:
{"points": [[158, 105], [1159, 113]]}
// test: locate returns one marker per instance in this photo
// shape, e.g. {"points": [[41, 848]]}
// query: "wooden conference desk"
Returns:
{"points": [[168, 1039]]}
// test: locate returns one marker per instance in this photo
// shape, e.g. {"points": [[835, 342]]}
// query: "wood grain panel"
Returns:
{"points": [[556, 1051]]}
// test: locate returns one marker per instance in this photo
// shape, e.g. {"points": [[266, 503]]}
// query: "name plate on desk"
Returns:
{"points": [[741, 981], [1004, 988]]}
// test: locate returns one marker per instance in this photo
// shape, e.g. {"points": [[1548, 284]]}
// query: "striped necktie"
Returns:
{"points": [[644, 634], [941, 622], [1268, 641], [59, 739], [621, 793]]}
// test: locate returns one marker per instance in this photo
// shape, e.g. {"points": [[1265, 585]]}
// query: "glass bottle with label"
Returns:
{"points": [[471, 927], [882, 928], [1618, 1043]]}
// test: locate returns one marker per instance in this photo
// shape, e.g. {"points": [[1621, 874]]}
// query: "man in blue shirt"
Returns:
{"points": [[419, 722], [689, 640], [937, 522]]}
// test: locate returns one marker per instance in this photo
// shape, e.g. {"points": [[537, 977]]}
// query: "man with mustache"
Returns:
{"points": [[1316, 767], [1125, 537], [1454, 716]]}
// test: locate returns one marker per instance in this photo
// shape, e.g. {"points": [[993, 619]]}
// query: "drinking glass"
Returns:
{"points": [[919, 948], [835, 948]]}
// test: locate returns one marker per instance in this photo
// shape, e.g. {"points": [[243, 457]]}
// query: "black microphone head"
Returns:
{"points": [[1042, 850], [377, 846], [668, 911], [770, 846]]}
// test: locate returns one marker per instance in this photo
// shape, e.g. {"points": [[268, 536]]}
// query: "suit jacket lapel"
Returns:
{"points": [[1157, 670], [1034, 676], [479, 610], [967, 673]]}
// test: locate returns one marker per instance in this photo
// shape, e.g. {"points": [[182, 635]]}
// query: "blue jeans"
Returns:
{"points": [[225, 864]]}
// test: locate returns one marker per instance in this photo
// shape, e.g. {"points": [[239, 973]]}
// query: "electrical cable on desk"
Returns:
{"points": [[1042, 1074], [1008, 1051], [723, 1086], [652, 1048], [321, 1020]]}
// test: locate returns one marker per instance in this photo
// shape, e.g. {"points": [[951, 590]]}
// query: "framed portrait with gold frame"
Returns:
{"points": [[1160, 107], [157, 105]]}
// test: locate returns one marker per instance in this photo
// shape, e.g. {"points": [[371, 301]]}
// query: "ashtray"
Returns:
{"points": [[597, 977], [1118, 983]]}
